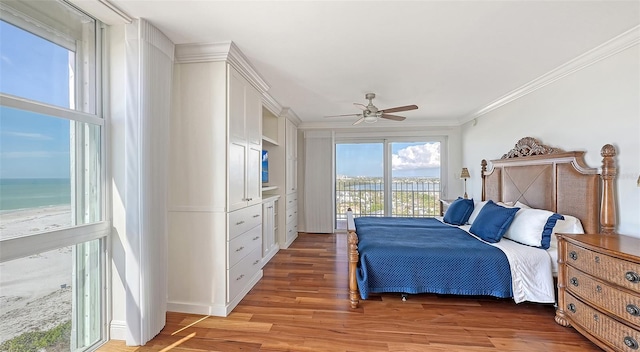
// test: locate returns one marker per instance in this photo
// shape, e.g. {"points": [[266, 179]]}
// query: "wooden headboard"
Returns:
{"points": [[549, 178]]}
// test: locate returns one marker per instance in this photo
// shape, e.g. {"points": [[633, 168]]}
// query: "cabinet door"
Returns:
{"points": [[253, 117], [237, 176], [253, 177], [237, 106], [267, 228], [291, 181]]}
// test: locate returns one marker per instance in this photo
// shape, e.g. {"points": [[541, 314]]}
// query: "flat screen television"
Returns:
{"points": [[265, 166]]}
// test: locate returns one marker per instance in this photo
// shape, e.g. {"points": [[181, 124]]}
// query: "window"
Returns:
{"points": [[387, 178], [52, 178]]}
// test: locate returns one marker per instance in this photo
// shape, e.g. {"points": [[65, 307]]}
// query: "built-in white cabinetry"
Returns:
{"points": [[270, 228], [291, 165], [215, 207]]}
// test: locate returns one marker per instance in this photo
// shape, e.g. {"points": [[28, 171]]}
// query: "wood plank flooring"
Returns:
{"points": [[301, 304]]}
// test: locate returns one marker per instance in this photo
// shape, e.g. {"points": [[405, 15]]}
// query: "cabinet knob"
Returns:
{"points": [[597, 259], [573, 255], [632, 277], [633, 310], [631, 342], [574, 281], [571, 307]]}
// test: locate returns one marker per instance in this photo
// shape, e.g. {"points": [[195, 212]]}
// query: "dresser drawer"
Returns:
{"points": [[602, 266], [292, 230], [292, 215], [240, 274], [621, 336], [240, 221], [604, 296], [244, 244]]}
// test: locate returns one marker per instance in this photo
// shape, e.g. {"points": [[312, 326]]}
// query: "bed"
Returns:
{"points": [[428, 255]]}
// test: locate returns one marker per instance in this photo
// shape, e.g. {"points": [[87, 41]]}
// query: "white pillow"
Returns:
{"points": [[477, 206], [522, 205], [570, 224], [528, 227]]}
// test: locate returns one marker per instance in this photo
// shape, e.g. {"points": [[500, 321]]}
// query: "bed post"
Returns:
{"points": [[608, 203], [354, 256], [483, 165]]}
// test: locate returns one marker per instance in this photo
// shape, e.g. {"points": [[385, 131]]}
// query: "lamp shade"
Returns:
{"points": [[465, 173]]}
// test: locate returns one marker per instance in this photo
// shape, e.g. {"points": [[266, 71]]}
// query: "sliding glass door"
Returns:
{"points": [[387, 178]]}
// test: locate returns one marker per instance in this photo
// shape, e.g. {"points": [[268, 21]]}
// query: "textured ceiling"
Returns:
{"points": [[451, 58]]}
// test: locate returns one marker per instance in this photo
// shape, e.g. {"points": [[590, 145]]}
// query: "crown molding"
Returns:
{"points": [[222, 51], [609, 48], [271, 104], [290, 115]]}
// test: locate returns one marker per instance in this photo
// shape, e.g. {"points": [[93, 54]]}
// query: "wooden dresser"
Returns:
{"points": [[599, 289]]}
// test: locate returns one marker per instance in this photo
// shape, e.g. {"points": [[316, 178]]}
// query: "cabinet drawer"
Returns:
{"points": [[292, 230], [242, 245], [292, 201], [240, 221], [292, 214], [604, 296], [602, 266], [619, 335], [240, 274]]}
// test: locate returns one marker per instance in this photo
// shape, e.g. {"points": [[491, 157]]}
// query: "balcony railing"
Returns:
{"points": [[410, 197]]}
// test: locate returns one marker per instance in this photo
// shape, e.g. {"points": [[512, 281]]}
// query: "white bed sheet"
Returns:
{"points": [[532, 269]]}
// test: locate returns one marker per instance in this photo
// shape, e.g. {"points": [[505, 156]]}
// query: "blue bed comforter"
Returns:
{"points": [[417, 255]]}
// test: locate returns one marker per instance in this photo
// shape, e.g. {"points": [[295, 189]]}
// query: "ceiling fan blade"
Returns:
{"points": [[361, 106], [400, 108], [344, 115], [393, 117], [359, 120]]}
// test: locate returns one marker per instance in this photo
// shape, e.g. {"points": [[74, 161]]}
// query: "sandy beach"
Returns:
{"points": [[35, 292]]}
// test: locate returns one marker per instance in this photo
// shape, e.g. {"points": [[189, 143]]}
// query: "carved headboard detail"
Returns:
{"points": [[549, 178], [529, 146]]}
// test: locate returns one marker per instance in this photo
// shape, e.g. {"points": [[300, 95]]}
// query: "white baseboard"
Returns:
{"points": [[207, 308], [118, 330]]}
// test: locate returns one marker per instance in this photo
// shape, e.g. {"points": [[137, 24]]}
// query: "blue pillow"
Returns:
{"points": [[548, 230], [459, 211], [493, 221]]}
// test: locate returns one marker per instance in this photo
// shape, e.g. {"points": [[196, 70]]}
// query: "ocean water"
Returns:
{"points": [[26, 193]]}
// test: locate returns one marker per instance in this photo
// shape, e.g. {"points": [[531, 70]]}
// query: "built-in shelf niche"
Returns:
{"points": [[269, 188], [270, 130]]}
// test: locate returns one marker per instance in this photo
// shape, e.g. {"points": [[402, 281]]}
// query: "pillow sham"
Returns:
{"points": [[477, 206], [493, 221], [459, 211], [522, 205], [532, 227]]}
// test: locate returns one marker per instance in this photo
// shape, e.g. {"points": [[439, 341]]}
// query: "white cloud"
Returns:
{"points": [[33, 154], [417, 157], [35, 136]]}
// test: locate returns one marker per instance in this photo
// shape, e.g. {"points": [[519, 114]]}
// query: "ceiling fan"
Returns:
{"points": [[371, 114]]}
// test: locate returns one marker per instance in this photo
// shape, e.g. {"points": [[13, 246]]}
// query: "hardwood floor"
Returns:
{"points": [[301, 304]]}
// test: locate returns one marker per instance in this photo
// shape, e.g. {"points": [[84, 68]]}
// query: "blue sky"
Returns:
{"points": [[408, 159], [32, 145]]}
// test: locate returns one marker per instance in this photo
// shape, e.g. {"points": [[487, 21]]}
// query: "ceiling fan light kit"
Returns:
{"points": [[371, 114]]}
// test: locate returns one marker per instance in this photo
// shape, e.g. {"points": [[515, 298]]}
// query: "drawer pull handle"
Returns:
{"points": [[239, 249], [599, 288], [256, 262], [239, 277], [571, 307], [240, 222], [256, 216], [632, 277], [256, 238], [633, 310], [596, 317], [573, 255], [631, 342], [574, 281], [597, 259]]}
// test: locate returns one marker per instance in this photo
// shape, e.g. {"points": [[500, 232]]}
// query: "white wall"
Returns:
{"points": [[597, 105], [117, 107]]}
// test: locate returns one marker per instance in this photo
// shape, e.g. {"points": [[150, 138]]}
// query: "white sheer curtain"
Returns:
{"points": [[318, 190], [149, 67]]}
